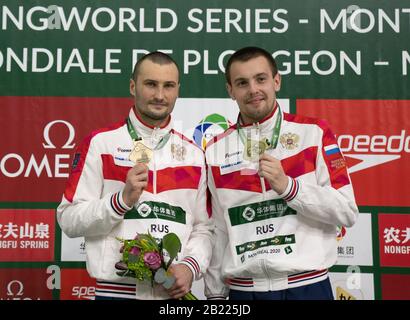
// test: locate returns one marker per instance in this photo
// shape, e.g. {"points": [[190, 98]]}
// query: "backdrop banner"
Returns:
{"points": [[64, 72]]}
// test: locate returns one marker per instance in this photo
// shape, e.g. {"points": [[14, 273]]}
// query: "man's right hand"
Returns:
{"points": [[136, 182]]}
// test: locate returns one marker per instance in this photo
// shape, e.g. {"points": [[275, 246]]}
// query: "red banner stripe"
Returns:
{"points": [[186, 177], [339, 178], [295, 166], [75, 175], [236, 180], [111, 171], [301, 163]]}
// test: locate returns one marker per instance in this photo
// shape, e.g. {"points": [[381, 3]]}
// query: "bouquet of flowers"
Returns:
{"points": [[143, 259]]}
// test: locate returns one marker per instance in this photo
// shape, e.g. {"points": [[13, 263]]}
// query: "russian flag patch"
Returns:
{"points": [[331, 149], [334, 156]]}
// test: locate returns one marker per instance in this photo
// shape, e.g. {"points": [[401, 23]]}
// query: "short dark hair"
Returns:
{"points": [[155, 57], [246, 54]]}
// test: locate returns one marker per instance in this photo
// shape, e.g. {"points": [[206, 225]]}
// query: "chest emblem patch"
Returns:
{"points": [[178, 152], [289, 140]]}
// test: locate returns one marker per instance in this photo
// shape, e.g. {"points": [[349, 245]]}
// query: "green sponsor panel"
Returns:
{"points": [[259, 211], [275, 241], [322, 47], [157, 210]]}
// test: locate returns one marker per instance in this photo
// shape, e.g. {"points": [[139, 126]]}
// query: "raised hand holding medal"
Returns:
{"points": [[271, 169], [135, 183]]}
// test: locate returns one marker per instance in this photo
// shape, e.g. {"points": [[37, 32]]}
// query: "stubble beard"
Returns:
{"points": [[257, 115], [156, 115]]}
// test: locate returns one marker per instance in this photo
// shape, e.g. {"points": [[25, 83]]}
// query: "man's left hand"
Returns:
{"points": [[183, 281], [271, 169]]}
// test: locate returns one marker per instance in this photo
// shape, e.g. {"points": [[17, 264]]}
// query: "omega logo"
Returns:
{"points": [[46, 135], [18, 285], [50, 165]]}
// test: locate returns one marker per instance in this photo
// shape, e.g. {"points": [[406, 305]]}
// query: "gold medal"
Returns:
{"points": [[141, 153], [254, 149]]}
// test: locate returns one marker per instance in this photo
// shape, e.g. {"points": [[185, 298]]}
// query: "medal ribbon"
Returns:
{"points": [[275, 135], [134, 135]]}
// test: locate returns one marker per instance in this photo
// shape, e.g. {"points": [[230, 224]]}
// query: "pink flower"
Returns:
{"points": [[135, 251], [152, 260]]}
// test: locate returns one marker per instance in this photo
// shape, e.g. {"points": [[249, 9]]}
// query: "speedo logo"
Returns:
{"points": [[374, 150]]}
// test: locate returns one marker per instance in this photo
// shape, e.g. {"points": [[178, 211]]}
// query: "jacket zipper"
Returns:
{"points": [[154, 174], [262, 180], [154, 182], [265, 270], [263, 188]]}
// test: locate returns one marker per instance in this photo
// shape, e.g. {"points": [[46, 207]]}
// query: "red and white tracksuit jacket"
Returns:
{"points": [[268, 241], [174, 201]]}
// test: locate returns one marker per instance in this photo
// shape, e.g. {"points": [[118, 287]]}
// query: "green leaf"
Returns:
{"points": [[172, 244], [189, 296], [148, 242], [132, 258]]}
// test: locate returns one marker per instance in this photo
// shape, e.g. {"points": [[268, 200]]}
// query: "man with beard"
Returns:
{"points": [[280, 188], [139, 176]]}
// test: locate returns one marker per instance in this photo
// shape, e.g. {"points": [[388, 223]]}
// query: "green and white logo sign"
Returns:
{"points": [[144, 210], [249, 214], [275, 241], [259, 211], [157, 210]]}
